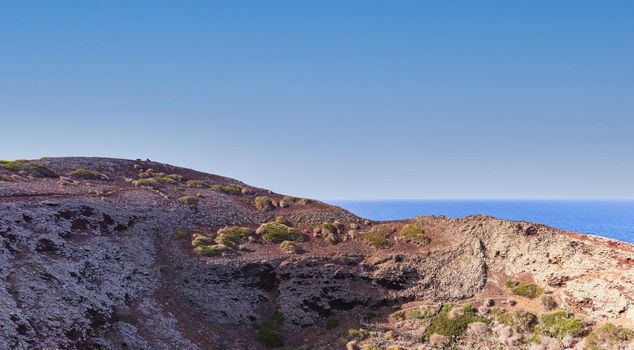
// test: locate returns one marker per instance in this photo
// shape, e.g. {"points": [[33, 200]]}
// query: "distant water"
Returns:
{"points": [[613, 219]]}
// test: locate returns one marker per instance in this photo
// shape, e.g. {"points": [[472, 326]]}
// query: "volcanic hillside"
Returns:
{"points": [[99, 253]]}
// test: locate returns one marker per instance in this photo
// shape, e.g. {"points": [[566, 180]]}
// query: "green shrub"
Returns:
{"points": [[290, 247], [417, 314], [213, 250], [234, 190], [510, 284], [149, 178], [191, 202], [609, 336], [265, 203], [233, 236], [520, 320], [203, 245], [197, 184], [561, 324], [371, 346], [358, 334], [524, 289], [27, 167], [87, 174], [275, 232], [281, 219], [378, 236], [200, 240], [412, 233], [528, 290], [154, 183], [453, 328], [332, 323]]}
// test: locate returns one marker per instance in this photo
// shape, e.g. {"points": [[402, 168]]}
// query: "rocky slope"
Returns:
{"points": [[100, 253]]}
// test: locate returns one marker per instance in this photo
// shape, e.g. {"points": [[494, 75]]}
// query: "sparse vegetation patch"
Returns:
{"points": [[86, 174], [524, 289], [27, 168], [561, 324], [234, 190], [190, 201], [379, 236], [197, 184], [233, 236], [453, 326], [290, 247], [412, 233], [204, 245], [265, 203], [276, 232], [609, 336], [149, 178]]}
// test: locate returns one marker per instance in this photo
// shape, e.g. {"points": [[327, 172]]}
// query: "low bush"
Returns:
{"points": [[378, 236], [524, 289], [197, 184], [265, 203], [519, 320], [200, 240], [561, 324], [149, 178], [286, 201], [233, 236], [275, 232], [204, 245], [290, 247], [86, 174], [190, 201], [282, 219], [417, 314], [358, 334], [27, 167], [412, 233], [453, 327], [234, 190], [212, 250], [609, 336], [154, 183]]}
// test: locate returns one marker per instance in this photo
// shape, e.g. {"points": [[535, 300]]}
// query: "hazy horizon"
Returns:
{"points": [[354, 100]]}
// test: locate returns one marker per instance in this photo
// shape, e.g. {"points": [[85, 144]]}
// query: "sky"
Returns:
{"points": [[332, 99]]}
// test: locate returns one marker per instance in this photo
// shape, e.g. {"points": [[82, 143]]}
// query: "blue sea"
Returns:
{"points": [[613, 219]]}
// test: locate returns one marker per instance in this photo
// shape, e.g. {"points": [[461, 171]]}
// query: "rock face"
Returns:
{"points": [[109, 261]]}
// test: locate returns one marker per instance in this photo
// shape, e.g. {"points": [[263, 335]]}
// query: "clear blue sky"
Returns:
{"points": [[333, 99]]}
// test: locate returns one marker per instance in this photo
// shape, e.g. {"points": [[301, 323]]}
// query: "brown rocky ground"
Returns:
{"points": [[123, 257]]}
